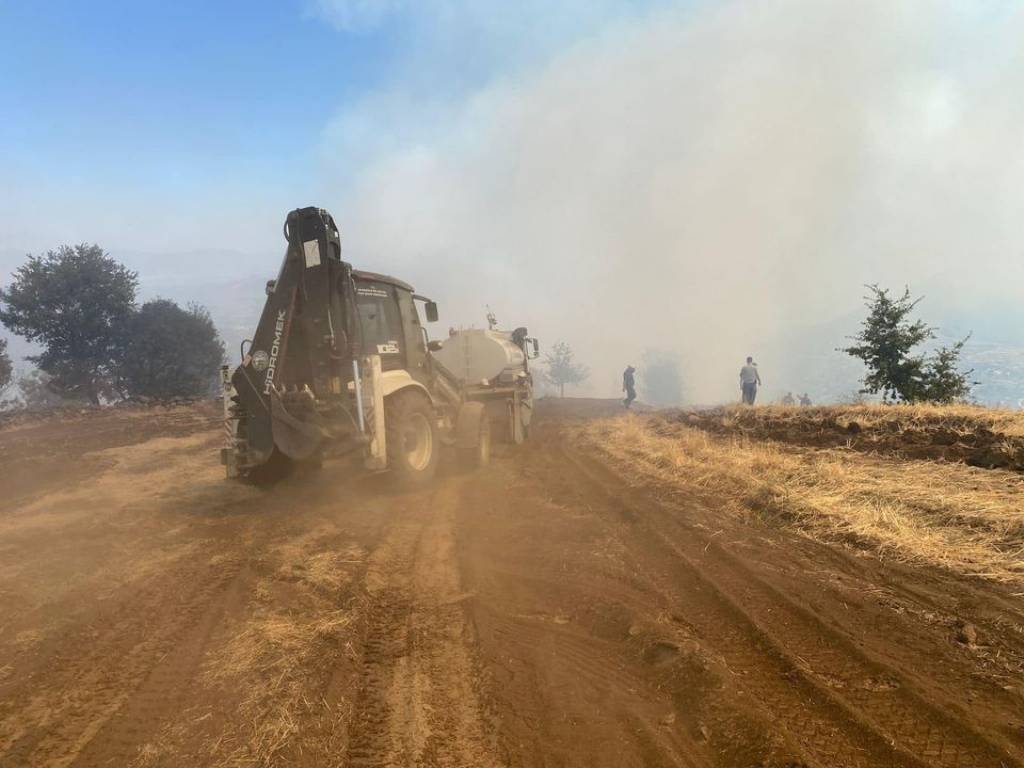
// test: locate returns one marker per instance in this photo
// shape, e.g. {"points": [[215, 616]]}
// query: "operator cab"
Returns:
{"points": [[390, 323]]}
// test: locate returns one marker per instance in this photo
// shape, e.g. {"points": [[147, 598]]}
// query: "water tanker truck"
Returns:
{"points": [[341, 365]]}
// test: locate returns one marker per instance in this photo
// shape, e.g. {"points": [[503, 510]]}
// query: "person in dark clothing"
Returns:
{"points": [[805, 399], [629, 385]]}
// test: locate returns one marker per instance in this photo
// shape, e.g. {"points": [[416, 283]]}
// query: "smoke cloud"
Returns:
{"points": [[714, 181]]}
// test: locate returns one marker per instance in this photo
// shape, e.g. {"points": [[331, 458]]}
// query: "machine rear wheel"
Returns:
{"points": [[517, 428], [412, 442], [275, 469], [473, 435]]}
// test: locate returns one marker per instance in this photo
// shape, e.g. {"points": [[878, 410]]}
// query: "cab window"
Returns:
{"points": [[380, 321]]}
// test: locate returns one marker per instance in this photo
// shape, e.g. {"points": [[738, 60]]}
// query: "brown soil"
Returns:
{"points": [[544, 611], [895, 431]]}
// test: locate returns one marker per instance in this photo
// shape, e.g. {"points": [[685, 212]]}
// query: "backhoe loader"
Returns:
{"points": [[341, 365]]}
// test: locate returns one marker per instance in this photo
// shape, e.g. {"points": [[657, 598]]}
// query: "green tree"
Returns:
{"points": [[36, 392], [6, 369], [562, 369], [75, 301], [886, 344], [170, 352], [661, 379], [944, 382]]}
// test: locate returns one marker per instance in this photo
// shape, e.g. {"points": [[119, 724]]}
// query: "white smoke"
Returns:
{"points": [[705, 180]]}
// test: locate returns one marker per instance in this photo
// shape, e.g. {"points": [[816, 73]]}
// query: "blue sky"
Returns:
{"points": [[141, 90], [174, 100], [189, 105]]}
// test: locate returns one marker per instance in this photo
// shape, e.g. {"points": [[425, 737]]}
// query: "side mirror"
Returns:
{"points": [[434, 346], [431, 310]]}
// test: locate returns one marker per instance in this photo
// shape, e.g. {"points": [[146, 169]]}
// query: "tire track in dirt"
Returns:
{"points": [[116, 665], [582, 669], [111, 591], [885, 592], [899, 615], [417, 702], [834, 671], [636, 731], [866, 685], [84, 690], [823, 733], [166, 686]]}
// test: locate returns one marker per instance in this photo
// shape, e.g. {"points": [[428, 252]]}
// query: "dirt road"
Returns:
{"points": [[545, 611]]}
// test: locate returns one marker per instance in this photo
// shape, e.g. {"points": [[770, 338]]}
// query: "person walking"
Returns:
{"points": [[629, 385], [805, 399], [750, 380], [788, 399]]}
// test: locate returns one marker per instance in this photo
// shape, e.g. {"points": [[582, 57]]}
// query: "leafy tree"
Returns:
{"points": [[75, 301], [661, 379], [6, 369], [562, 369], [943, 380], [170, 352], [886, 344], [37, 393]]}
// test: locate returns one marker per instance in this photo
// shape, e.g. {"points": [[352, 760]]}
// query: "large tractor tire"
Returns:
{"points": [[276, 468], [473, 435], [518, 423], [412, 442]]}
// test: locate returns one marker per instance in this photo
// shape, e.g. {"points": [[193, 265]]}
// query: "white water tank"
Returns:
{"points": [[475, 355]]}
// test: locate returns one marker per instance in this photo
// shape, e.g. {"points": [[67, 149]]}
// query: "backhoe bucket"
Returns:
{"points": [[295, 437]]}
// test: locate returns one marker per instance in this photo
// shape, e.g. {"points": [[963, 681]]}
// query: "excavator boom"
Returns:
{"points": [[299, 363]]}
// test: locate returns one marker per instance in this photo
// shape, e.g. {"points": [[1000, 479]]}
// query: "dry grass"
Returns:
{"points": [[273, 654], [958, 417], [967, 520], [272, 658], [966, 420], [280, 655]]}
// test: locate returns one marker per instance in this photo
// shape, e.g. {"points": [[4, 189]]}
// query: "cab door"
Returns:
{"points": [[380, 323], [416, 357]]}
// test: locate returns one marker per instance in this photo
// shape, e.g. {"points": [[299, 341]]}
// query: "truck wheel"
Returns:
{"points": [[411, 438], [516, 428], [473, 435]]}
